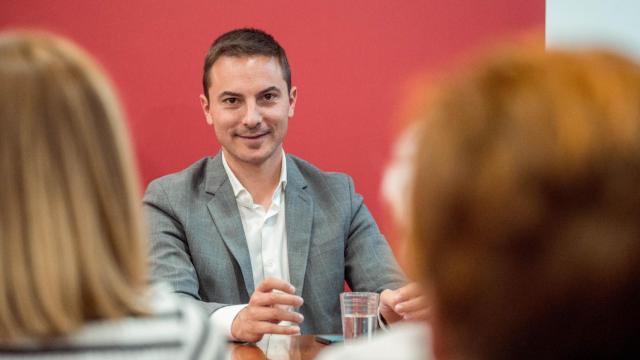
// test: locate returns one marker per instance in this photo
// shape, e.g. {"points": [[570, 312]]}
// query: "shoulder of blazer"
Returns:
{"points": [[315, 178], [192, 179]]}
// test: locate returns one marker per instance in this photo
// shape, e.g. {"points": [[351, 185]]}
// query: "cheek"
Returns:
{"points": [[223, 121], [283, 126], [278, 116], [223, 131]]}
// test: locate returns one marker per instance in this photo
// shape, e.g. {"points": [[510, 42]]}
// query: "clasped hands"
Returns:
{"points": [[268, 306], [273, 298]]}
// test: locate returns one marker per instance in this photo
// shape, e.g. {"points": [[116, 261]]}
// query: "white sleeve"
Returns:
{"points": [[223, 318]]}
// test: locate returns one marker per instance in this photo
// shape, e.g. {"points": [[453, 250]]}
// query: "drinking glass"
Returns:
{"points": [[359, 314]]}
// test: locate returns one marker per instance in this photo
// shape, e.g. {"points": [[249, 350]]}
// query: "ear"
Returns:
{"points": [[205, 108], [293, 95]]}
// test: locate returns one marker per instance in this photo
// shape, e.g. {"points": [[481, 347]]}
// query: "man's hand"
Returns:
{"points": [[406, 303], [266, 309]]}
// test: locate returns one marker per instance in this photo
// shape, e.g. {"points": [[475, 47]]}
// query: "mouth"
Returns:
{"points": [[253, 136]]}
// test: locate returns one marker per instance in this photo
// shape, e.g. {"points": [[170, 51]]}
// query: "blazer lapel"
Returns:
{"points": [[226, 217], [299, 218]]}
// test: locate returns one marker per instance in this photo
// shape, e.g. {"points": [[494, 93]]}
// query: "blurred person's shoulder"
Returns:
{"points": [[175, 325], [407, 341], [174, 328]]}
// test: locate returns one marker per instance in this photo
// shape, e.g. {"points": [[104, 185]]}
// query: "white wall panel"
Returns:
{"points": [[587, 23]]}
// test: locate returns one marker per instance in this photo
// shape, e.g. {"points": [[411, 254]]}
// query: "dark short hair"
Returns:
{"points": [[245, 42]]}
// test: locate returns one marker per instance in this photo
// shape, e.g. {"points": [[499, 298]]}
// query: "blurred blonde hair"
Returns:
{"points": [[71, 239], [526, 205]]}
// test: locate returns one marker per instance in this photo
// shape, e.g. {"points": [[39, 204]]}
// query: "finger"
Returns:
{"points": [[388, 298], [411, 305], [424, 314], [407, 292], [269, 284], [276, 315], [276, 298], [269, 328]]}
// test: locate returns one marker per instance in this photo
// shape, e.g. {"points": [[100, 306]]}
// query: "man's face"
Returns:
{"points": [[249, 107]]}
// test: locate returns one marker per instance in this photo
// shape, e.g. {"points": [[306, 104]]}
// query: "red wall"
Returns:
{"points": [[349, 60]]}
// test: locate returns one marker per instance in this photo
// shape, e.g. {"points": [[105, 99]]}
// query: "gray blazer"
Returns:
{"points": [[197, 242]]}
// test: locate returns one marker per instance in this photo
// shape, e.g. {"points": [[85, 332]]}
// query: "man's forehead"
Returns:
{"points": [[244, 70], [246, 63]]}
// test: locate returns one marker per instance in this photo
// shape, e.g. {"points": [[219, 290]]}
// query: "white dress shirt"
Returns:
{"points": [[266, 236]]}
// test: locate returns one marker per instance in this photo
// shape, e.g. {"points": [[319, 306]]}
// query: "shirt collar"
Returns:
{"points": [[239, 189]]}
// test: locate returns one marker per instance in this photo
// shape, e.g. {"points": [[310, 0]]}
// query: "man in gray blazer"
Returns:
{"points": [[262, 240]]}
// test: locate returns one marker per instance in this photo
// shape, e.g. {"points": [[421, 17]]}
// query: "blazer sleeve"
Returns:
{"points": [[369, 261], [169, 256]]}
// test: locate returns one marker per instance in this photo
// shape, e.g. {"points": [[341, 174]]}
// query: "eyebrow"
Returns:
{"points": [[270, 88], [262, 92], [228, 93]]}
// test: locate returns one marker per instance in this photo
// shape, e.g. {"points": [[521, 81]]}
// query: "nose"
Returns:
{"points": [[253, 117]]}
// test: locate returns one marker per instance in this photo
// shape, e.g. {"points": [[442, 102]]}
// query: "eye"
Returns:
{"points": [[230, 100], [270, 96]]}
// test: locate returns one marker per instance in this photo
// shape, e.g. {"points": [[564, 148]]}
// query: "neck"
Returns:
{"points": [[260, 180]]}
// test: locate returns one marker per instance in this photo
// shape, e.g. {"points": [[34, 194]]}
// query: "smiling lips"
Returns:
{"points": [[253, 136]]}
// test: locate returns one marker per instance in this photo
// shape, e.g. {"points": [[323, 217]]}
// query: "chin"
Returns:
{"points": [[255, 158]]}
